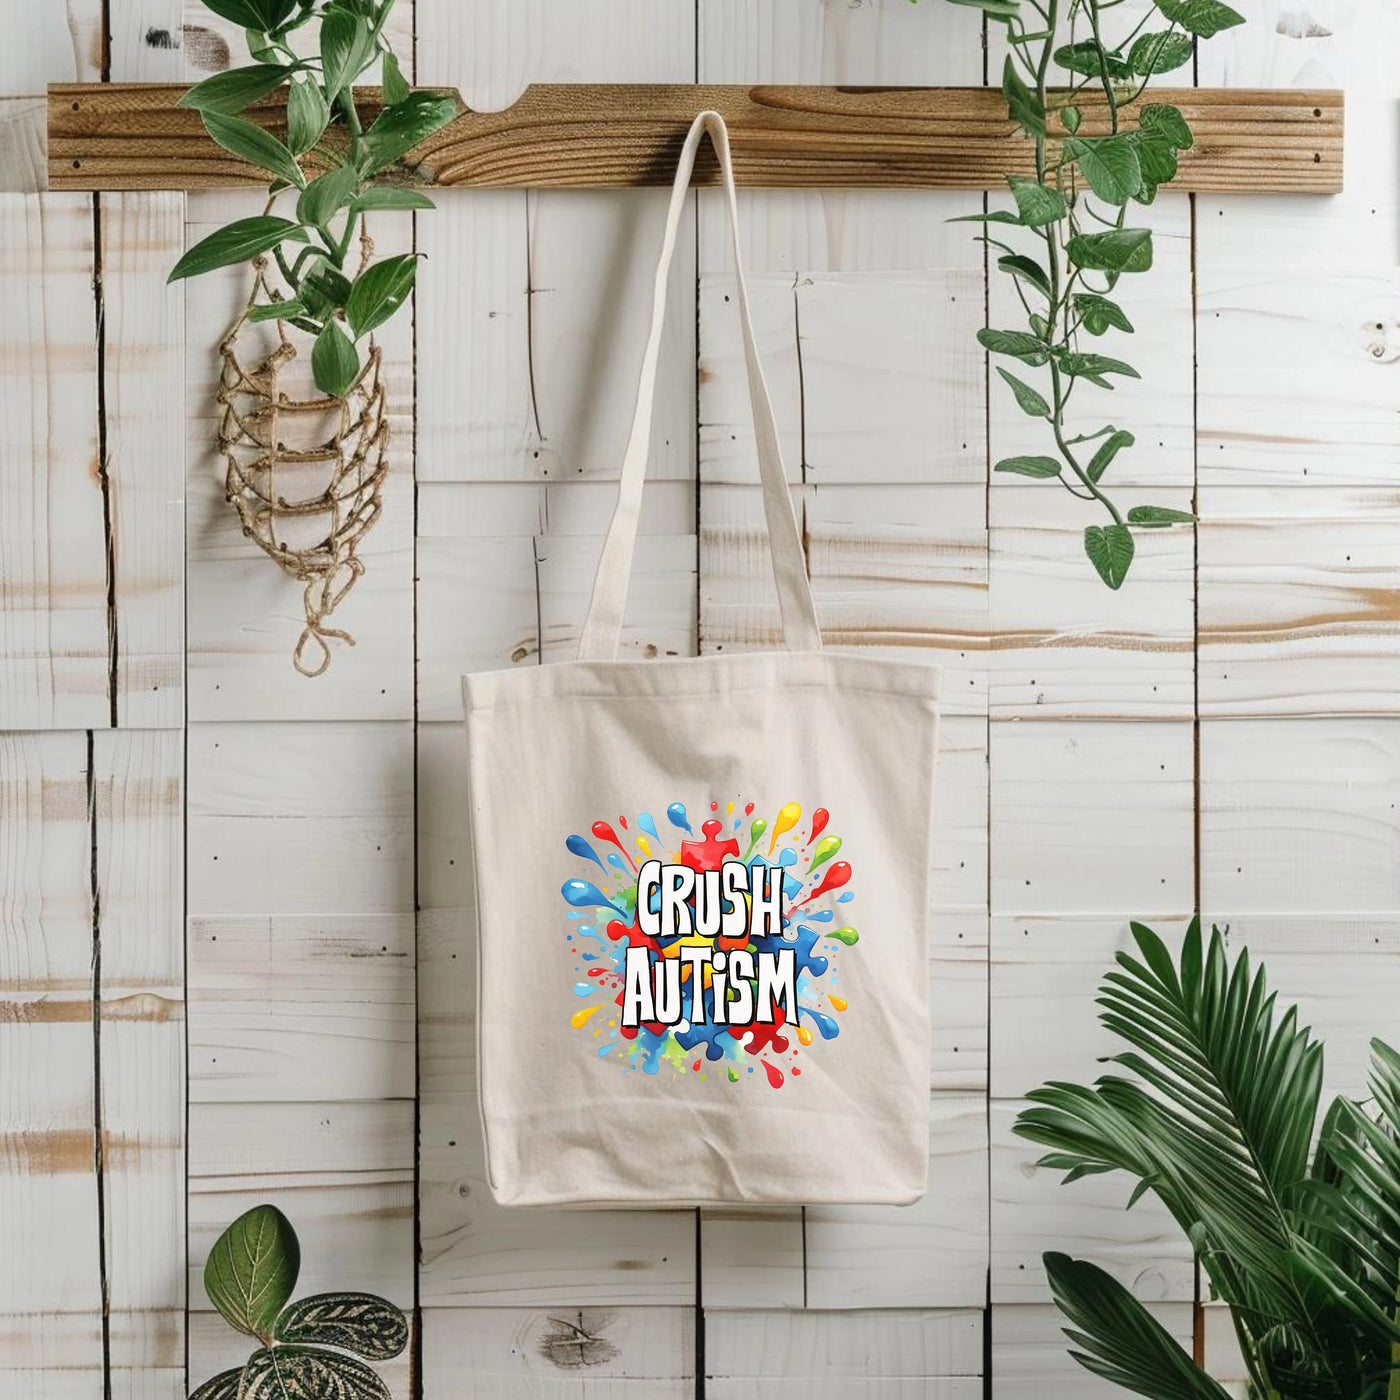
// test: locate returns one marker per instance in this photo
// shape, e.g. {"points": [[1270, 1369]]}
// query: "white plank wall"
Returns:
{"points": [[236, 942]]}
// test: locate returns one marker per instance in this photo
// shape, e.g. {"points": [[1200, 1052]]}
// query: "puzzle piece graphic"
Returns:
{"points": [[764, 1037]]}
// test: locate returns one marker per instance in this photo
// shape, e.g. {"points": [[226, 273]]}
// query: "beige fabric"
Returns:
{"points": [[804, 777]]}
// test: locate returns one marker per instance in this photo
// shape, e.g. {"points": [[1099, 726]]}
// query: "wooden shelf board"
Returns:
{"points": [[122, 136]]}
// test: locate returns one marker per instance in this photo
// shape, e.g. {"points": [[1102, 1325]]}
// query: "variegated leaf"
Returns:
{"points": [[360, 1322], [305, 1373], [224, 1386]]}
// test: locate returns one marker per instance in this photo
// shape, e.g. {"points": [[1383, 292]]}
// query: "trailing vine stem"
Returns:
{"points": [[1070, 89]]}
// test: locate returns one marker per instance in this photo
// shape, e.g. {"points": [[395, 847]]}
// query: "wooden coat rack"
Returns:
{"points": [[130, 136]]}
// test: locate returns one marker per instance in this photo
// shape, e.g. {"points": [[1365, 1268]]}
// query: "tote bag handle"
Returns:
{"points": [[603, 625]]}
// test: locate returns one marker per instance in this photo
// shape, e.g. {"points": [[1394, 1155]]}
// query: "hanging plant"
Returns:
{"points": [[308, 1348], [1074, 214], [306, 454]]}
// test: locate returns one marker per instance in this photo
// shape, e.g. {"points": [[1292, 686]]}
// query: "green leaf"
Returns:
{"points": [[327, 194], [295, 1371], [1029, 466], [334, 361], [275, 311], [1162, 120], [1023, 106], [997, 216], [379, 291], [251, 143], [1160, 52], [390, 197], [1108, 450], [399, 129], [1116, 1338], [307, 115], [1157, 160], [1110, 551], [1085, 57], [224, 1386], [1037, 204], [252, 1269], [1028, 348], [241, 240], [261, 15], [1151, 516], [346, 47], [360, 1322], [325, 289], [1202, 18], [1031, 401], [1099, 314], [1027, 269], [1109, 163], [231, 91], [1117, 250], [1070, 117], [395, 85], [1079, 365]]}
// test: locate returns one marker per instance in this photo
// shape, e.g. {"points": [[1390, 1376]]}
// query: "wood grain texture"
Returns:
{"points": [[572, 136]]}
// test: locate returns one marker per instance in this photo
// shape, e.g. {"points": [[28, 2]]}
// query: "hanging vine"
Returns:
{"points": [[1099, 150]]}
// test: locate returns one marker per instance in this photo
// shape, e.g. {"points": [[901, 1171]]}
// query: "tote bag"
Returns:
{"points": [[702, 890]]}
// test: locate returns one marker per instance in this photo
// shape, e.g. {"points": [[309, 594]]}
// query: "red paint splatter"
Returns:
{"points": [[763, 1036], [596, 972], [623, 821], [819, 820], [795, 1070], [696, 1066], [748, 811], [605, 833], [714, 806], [775, 1075], [836, 876]]}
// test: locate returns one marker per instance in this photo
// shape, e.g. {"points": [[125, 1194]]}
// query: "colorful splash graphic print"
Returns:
{"points": [[752, 911]]}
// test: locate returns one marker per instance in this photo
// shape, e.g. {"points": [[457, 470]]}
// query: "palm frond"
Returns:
{"points": [[1115, 1337]]}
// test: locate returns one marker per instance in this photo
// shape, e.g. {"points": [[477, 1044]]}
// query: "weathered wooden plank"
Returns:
{"points": [[143, 343], [300, 819], [1065, 647], [1298, 590], [330, 994], [51, 1281], [1091, 817], [342, 1172], [1300, 815], [53, 595], [138, 806], [23, 161], [565, 136], [1262, 419], [559, 1353], [1045, 972], [909, 1352], [53, 43]]}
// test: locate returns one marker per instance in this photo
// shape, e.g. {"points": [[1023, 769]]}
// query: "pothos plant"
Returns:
{"points": [[305, 1349], [306, 469], [1098, 151], [338, 162]]}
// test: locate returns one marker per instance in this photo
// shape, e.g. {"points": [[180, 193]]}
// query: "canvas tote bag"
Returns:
{"points": [[702, 891]]}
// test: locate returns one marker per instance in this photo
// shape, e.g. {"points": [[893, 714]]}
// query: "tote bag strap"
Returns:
{"points": [[603, 625]]}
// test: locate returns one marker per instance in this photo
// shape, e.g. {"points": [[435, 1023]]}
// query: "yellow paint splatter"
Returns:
{"points": [[788, 818], [804, 1035], [643, 847], [838, 1003], [579, 1017]]}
